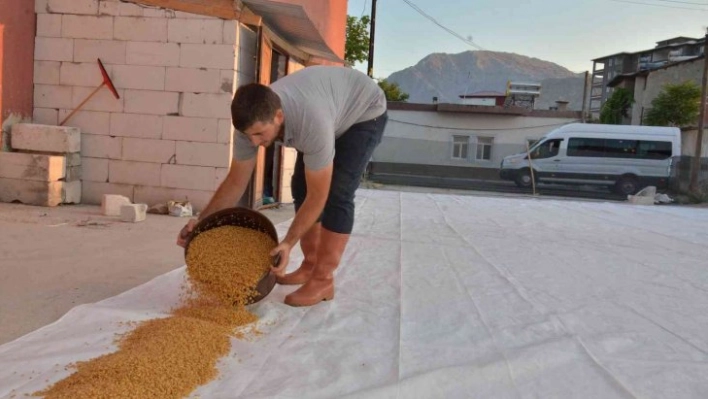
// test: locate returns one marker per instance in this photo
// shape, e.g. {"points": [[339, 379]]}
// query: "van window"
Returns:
{"points": [[620, 148], [547, 149], [654, 149], [584, 147], [616, 148]]}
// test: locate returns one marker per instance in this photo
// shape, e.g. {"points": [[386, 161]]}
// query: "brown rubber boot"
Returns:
{"points": [[321, 286], [308, 244]]}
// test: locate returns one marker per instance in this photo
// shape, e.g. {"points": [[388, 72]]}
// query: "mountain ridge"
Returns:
{"points": [[447, 76]]}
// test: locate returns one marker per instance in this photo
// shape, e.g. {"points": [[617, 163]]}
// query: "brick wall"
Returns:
{"points": [[169, 136]]}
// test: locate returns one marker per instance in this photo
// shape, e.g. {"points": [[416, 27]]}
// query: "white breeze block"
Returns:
{"points": [[133, 213], [73, 173], [45, 138], [73, 159], [71, 192], [111, 204], [37, 167], [85, 7], [39, 193], [48, 25], [47, 72]]}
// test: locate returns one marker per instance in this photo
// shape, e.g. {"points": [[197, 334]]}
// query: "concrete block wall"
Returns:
{"points": [[169, 136]]}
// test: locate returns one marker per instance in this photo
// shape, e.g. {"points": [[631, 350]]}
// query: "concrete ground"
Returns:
{"points": [[53, 259]]}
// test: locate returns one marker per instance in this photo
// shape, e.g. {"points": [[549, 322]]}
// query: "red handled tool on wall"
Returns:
{"points": [[106, 82]]}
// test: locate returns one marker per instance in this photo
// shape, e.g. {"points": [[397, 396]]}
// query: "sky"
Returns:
{"points": [[568, 32]]}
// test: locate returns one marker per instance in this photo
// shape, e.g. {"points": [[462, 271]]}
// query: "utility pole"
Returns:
{"points": [[583, 116], [693, 186], [372, 31]]}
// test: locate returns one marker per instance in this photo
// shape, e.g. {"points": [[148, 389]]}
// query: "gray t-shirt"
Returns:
{"points": [[320, 103]]}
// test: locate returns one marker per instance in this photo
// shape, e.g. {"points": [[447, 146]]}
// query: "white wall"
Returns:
{"points": [[489, 102], [425, 137], [169, 136], [689, 139]]}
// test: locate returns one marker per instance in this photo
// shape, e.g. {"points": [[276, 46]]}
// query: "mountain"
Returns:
{"points": [[447, 76]]}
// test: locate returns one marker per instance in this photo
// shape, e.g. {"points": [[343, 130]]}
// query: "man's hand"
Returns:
{"points": [[184, 233], [283, 251]]}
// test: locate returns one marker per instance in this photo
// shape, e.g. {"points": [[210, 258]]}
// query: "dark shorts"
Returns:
{"points": [[353, 150]]}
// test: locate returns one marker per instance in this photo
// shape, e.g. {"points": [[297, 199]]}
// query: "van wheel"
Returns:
{"points": [[627, 185], [523, 179]]}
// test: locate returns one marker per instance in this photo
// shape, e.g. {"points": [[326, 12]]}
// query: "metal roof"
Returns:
{"points": [[483, 94], [686, 43], [291, 22], [619, 78]]}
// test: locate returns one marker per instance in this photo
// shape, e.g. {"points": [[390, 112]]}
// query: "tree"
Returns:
{"points": [[357, 45], [393, 91], [677, 105], [616, 107]]}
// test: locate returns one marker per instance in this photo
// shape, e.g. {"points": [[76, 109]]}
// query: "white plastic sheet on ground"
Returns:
{"points": [[442, 296]]}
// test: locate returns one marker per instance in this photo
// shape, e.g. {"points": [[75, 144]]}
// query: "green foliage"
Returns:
{"points": [[393, 91], [357, 45], [616, 107], [676, 105]]}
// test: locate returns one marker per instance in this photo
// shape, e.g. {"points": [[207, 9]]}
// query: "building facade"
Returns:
{"points": [[176, 65], [452, 141], [610, 67]]}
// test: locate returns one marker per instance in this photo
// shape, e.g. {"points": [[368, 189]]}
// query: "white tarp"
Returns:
{"points": [[442, 296]]}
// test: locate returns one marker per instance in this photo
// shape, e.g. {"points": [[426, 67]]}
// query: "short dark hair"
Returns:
{"points": [[253, 103]]}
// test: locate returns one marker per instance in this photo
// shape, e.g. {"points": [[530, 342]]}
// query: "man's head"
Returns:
{"points": [[256, 111]]}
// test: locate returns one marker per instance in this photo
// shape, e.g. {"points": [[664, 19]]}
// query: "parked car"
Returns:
{"points": [[624, 158]]}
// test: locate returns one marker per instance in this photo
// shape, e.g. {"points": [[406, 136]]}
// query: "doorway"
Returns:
{"points": [[273, 155]]}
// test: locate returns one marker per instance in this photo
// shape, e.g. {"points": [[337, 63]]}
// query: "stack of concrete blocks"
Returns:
{"points": [[45, 167], [118, 205], [169, 136]]}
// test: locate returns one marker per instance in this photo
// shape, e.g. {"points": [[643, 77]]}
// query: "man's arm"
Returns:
{"points": [[227, 195], [318, 183]]}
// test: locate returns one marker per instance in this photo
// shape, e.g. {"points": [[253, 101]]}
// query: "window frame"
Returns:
{"points": [[464, 147], [479, 145], [634, 149]]}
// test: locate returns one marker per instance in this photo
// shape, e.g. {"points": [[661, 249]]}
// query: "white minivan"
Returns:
{"points": [[625, 158]]}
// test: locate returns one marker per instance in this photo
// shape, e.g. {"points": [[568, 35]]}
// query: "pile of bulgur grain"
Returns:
{"points": [[171, 357]]}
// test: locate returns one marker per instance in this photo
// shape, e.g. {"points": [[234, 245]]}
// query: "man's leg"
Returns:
{"points": [[309, 241], [352, 153]]}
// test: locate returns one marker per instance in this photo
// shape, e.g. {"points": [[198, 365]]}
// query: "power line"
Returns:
{"points": [[363, 10], [684, 2], [445, 28], [465, 40], [659, 5], [478, 129]]}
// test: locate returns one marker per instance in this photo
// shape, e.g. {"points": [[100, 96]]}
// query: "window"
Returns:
{"points": [[614, 148], [484, 148], [532, 142], [654, 149], [460, 146], [278, 66], [583, 147], [547, 149], [620, 148]]}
